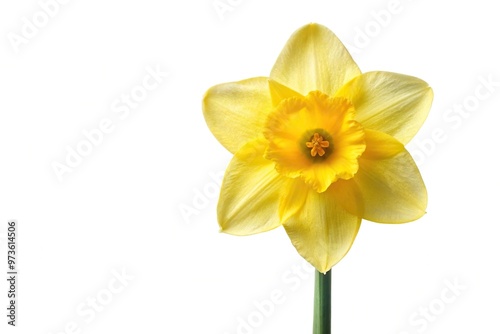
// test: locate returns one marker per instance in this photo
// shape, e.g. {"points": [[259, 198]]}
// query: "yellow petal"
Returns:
{"points": [[292, 199], [250, 193], [349, 196], [235, 112], [321, 230], [380, 145], [391, 190], [280, 92], [314, 59], [393, 103]]}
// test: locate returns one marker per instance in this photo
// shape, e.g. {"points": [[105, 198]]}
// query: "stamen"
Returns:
{"points": [[317, 145]]}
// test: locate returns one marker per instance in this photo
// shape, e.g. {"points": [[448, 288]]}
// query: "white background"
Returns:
{"points": [[120, 208]]}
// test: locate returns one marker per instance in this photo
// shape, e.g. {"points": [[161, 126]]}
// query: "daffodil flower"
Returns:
{"points": [[318, 146]]}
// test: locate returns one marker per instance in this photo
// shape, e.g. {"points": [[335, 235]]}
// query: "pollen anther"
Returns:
{"points": [[317, 145]]}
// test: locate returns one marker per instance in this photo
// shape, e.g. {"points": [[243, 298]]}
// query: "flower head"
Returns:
{"points": [[317, 147]]}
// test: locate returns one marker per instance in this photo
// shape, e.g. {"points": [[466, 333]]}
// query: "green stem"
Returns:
{"points": [[322, 303]]}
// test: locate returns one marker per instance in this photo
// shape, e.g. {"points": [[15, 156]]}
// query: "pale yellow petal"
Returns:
{"points": [[380, 145], [293, 198], [393, 103], [280, 92], [349, 196], [314, 59], [236, 112], [392, 189], [321, 231], [250, 193]]}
